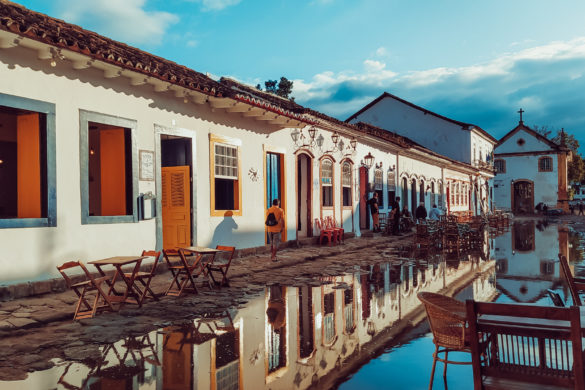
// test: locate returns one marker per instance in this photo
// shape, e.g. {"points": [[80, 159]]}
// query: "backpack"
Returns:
{"points": [[271, 220]]}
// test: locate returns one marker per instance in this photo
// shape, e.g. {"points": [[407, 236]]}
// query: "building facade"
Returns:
{"points": [[468, 183], [530, 170], [108, 150]]}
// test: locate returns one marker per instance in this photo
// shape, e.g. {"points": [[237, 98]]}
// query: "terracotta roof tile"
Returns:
{"points": [[42, 28]]}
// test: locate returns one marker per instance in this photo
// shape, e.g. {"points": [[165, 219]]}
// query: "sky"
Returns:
{"points": [[473, 61]]}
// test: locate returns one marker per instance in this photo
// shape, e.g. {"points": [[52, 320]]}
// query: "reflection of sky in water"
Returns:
{"points": [[407, 366], [383, 295]]}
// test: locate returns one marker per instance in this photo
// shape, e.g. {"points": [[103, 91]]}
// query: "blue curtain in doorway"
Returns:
{"points": [[272, 178]]}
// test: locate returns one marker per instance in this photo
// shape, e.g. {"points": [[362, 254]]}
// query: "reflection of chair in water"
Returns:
{"points": [[118, 364], [555, 297], [575, 284], [447, 320]]}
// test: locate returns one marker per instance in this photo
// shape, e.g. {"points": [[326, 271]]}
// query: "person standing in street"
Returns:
{"points": [[375, 211], [421, 211], [396, 216], [274, 226]]}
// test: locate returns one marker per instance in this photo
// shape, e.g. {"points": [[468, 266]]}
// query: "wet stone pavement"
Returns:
{"points": [[343, 317], [36, 330]]}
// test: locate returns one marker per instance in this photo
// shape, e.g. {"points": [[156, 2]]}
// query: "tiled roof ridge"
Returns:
{"points": [[20, 20], [464, 125], [534, 133], [256, 94]]}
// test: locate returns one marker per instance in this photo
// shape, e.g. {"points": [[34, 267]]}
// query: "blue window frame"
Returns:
{"points": [[98, 124], [47, 217]]}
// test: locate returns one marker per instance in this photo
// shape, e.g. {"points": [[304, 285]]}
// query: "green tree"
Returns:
{"points": [[576, 167], [281, 88]]}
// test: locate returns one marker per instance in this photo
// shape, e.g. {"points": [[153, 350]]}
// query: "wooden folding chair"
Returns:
{"points": [[146, 277], [84, 288], [222, 266], [182, 272]]}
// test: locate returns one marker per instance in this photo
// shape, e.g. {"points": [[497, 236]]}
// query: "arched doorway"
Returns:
{"points": [[304, 180], [364, 210], [523, 197], [413, 200]]}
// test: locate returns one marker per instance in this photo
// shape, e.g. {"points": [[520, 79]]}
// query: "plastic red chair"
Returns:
{"points": [[330, 234]]}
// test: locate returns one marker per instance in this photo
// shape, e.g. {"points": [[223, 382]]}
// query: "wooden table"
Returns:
{"points": [[201, 251], [486, 319], [118, 262]]}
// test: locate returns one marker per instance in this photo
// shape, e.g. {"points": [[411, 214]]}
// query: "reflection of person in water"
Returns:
{"points": [[276, 312]]}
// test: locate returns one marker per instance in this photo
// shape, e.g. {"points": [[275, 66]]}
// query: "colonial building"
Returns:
{"points": [[108, 150], [468, 189], [530, 169]]}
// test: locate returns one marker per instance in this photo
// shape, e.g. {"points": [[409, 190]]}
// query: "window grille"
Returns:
{"points": [[226, 162], [545, 164]]}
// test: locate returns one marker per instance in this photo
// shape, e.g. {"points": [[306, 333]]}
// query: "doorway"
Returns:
{"points": [[364, 210], [176, 190], [523, 197], [304, 180], [275, 184], [413, 200]]}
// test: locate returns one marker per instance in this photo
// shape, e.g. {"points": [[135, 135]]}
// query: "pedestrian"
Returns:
{"points": [[435, 213], [274, 226], [580, 208], [395, 215], [407, 218], [375, 211], [421, 211]]}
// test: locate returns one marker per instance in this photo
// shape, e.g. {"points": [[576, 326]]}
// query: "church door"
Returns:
{"points": [[523, 197]]}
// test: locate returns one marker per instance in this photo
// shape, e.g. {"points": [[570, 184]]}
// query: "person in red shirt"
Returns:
{"points": [[275, 231]]}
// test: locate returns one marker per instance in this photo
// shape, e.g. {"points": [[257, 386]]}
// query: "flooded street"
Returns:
{"points": [[362, 329]]}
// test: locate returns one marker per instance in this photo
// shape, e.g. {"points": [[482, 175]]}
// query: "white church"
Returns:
{"points": [[530, 169]]}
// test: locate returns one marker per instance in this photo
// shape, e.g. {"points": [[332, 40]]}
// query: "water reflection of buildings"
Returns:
{"points": [[291, 336], [526, 270]]}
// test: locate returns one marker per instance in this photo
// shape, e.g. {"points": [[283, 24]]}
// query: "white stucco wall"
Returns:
{"points": [[436, 134], [526, 168]]}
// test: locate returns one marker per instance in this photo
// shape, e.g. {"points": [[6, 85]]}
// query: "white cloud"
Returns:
{"points": [[126, 20], [548, 81], [217, 5]]}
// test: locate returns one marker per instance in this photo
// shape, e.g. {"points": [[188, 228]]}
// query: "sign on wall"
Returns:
{"points": [[146, 160]]}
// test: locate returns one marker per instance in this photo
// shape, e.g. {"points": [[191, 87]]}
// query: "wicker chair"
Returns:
{"points": [[447, 320]]}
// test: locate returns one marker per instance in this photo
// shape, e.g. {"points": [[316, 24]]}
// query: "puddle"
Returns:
{"points": [[361, 329]]}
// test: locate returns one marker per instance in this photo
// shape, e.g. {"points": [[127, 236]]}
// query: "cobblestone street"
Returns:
{"points": [[35, 330]]}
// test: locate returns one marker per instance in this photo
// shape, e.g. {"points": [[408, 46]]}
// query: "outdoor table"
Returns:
{"points": [[201, 251], [118, 262], [495, 320]]}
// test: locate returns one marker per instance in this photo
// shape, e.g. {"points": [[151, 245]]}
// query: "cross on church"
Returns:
{"points": [[520, 112]]}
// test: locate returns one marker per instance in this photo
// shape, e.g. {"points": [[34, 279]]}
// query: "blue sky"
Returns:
{"points": [[474, 61]]}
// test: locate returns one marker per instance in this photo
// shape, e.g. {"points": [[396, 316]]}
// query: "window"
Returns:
{"points": [[346, 184], [328, 318], [391, 187], [404, 192], [226, 192], [379, 186], [422, 191], [545, 164], [440, 196], [326, 182], [109, 183], [500, 166], [27, 163]]}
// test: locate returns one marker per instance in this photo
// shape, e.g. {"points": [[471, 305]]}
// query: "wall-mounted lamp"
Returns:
{"points": [[335, 138], [369, 160], [312, 132], [295, 135], [379, 166], [55, 55], [353, 143], [392, 168]]}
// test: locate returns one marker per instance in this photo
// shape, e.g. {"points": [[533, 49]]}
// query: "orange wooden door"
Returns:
{"points": [[176, 206]]}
